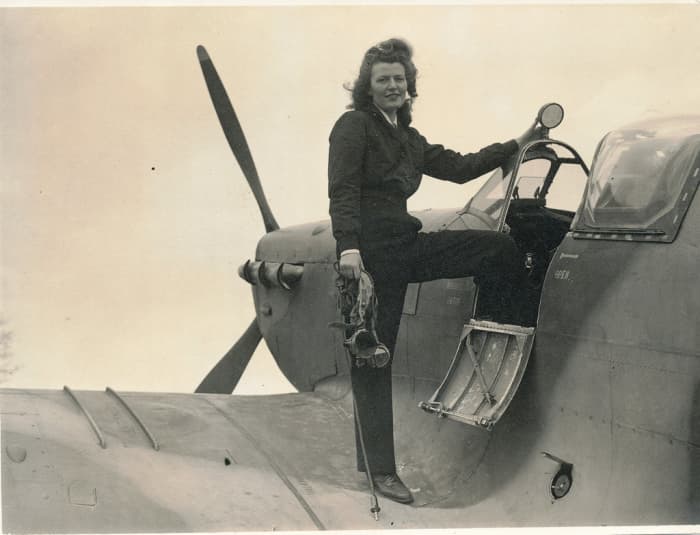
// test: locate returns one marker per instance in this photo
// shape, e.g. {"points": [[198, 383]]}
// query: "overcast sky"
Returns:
{"points": [[125, 217]]}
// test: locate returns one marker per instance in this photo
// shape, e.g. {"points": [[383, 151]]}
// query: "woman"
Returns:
{"points": [[376, 161]]}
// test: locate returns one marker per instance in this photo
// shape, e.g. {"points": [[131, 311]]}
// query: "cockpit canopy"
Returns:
{"points": [[642, 180]]}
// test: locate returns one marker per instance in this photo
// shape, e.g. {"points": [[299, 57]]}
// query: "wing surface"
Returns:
{"points": [[201, 462], [214, 462]]}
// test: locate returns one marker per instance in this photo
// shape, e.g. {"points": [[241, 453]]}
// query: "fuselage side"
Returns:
{"points": [[613, 386]]}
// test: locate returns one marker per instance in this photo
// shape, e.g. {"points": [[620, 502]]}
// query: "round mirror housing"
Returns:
{"points": [[550, 115]]}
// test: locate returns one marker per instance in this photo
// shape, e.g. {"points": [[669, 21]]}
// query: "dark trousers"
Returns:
{"points": [[491, 257]]}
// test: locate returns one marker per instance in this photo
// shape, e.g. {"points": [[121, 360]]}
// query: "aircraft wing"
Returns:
{"points": [[100, 461], [97, 462]]}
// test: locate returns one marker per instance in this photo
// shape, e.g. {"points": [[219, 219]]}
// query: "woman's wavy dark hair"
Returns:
{"points": [[390, 51]]}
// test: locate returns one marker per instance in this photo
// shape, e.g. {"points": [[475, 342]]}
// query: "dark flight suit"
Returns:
{"points": [[373, 168]]}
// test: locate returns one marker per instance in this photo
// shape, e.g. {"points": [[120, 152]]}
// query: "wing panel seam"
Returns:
{"points": [[277, 469]]}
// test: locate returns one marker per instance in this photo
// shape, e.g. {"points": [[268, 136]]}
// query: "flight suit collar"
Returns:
{"points": [[395, 131], [386, 116]]}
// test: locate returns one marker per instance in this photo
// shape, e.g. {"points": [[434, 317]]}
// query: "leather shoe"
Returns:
{"points": [[391, 486]]}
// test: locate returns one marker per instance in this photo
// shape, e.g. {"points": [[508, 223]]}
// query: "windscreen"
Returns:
{"points": [[549, 170], [489, 200]]}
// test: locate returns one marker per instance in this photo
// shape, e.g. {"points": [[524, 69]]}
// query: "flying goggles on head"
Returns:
{"points": [[358, 306]]}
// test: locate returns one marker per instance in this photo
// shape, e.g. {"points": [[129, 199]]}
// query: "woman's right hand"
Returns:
{"points": [[350, 264]]}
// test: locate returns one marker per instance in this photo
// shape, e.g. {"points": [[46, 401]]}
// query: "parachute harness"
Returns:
{"points": [[358, 306]]}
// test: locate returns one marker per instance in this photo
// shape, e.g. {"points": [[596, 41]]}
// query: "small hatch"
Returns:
{"points": [[318, 229]]}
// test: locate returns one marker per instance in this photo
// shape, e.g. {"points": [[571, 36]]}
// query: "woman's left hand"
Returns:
{"points": [[533, 132]]}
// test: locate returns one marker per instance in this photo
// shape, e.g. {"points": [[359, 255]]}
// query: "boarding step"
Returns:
{"points": [[485, 373]]}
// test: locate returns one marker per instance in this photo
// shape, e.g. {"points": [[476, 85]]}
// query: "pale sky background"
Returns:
{"points": [[124, 215]]}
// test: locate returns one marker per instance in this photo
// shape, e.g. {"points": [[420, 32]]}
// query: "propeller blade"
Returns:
{"points": [[224, 377], [234, 135]]}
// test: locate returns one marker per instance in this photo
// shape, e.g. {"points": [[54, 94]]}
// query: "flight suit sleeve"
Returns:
{"points": [[346, 157], [447, 164]]}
